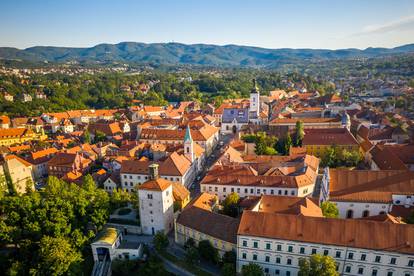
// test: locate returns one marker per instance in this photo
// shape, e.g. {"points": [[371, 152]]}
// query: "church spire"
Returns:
{"points": [[187, 136], [255, 89]]}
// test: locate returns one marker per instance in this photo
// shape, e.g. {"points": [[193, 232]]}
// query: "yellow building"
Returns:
{"points": [[181, 195], [20, 172], [13, 136], [199, 222], [317, 141]]}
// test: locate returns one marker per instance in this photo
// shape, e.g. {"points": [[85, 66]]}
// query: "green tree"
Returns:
{"points": [[160, 241], [230, 205], [207, 251], [86, 137], [99, 136], [56, 256], [192, 256], [252, 270], [288, 144], [228, 269], [189, 243], [299, 134], [229, 257], [329, 210], [317, 265]]}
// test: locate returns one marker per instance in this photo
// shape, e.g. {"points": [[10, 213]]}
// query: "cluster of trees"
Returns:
{"points": [[271, 145], [47, 232], [334, 157]]}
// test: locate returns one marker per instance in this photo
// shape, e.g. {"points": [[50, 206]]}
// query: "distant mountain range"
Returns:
{"points": [[195, 54]]}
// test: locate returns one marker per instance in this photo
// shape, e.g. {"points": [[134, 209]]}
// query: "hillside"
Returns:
{"points": [[196, 54]]}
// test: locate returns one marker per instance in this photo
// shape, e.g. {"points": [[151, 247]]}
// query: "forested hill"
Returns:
{"points": [[196, 54]]}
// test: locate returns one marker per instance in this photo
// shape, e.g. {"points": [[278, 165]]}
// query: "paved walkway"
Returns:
{"points": [[179, 252]]}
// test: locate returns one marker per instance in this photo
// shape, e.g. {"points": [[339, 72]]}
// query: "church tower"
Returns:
{"points": [[188, 145], [254, 100]]}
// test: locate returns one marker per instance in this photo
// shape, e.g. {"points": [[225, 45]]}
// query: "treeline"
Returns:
{"points": [[103, 90]]}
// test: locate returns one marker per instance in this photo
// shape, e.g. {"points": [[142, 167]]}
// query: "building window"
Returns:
{"points": [[363, 257], [349, 214], [244, 243], [267, 259], [377, 259], [325, 252], [254, 257], [246, 191], [272, 192], [393, 261], [292, 193], [290, 248], [255, 244], [348, 269], [280, 192], [338, 254], [360, 270], [278, 260], [390, 273], [365, 213], [286, 192], [279, 247], [374, 272], [302, 250], [411, 263], [232, 190], [258, 191], [289, 261], [268, 246], [215, 189], [313, 251], [266, 270], [287, 273], [244, 256], [277, 271], [350, 255]]}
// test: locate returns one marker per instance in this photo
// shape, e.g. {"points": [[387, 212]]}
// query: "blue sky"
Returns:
{"points": [[265, 23]]}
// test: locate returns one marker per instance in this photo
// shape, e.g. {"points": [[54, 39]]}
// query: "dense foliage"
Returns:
{"points": [[329, 210], [252, 270], [317, 265], [46, 232], [334, 157]]}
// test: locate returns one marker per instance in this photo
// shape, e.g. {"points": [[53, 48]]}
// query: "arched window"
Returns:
{"points": [[365, 214], [382, 213], [350, 214]]}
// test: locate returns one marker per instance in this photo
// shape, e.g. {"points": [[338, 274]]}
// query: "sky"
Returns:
{"points": [[327, 24]]}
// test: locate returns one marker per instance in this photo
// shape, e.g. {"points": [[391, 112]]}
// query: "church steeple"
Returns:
{"points": [[188, 145], [255, 100]]}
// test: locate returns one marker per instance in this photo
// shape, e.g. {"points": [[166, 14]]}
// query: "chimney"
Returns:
{"points": [[153, 171]]}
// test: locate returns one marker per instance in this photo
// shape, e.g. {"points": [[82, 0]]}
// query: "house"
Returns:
{"points": [[109, 129], [261, 177], [63, 163], [26, 97], [175, 168], [382, 158], [156, 201], [233, 119], [20, 172], [4, 121], [8, 97], [64, 126], [317, 141], [110, 244], [112, 183], [198, 221], [13, 136], [39, 159], [181, 196]]}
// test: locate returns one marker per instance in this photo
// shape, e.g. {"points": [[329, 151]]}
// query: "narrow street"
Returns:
{"points": [[210, 160]]}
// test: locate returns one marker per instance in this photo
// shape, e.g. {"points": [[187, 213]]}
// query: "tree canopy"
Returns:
{"points": [[317, 265]]}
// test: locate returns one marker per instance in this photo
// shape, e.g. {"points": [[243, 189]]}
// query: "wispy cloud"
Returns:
{"points": [[395, 25]]}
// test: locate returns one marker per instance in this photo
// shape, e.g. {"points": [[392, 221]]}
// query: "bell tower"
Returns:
{"points": [[188, 145], [255, 99]]}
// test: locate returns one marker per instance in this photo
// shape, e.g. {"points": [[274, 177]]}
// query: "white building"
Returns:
{"points": [[277, 242], [359, 193], [156, 207]]}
